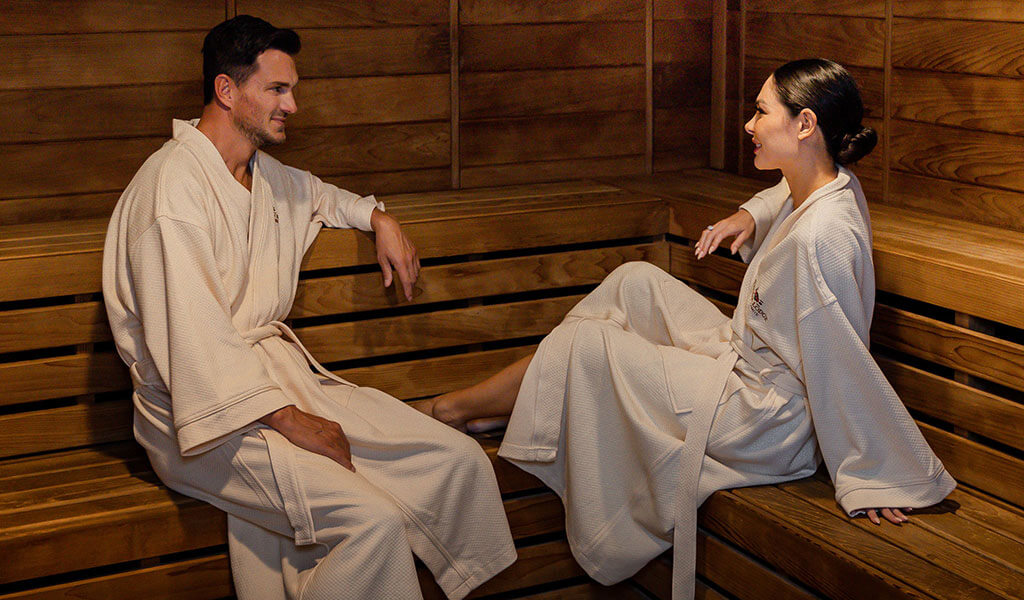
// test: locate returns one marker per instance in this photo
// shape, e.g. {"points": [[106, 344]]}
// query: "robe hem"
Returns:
{"points": [[204, 433], [916, 494], [476, 577]]}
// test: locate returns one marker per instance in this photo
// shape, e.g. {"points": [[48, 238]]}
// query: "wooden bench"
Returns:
{"points": [[948, 333], [81, 514]]}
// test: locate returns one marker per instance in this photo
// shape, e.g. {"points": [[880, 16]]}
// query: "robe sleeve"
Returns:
{"points": [[217, 382], [765, 207], [872, 448], [335, 207]]}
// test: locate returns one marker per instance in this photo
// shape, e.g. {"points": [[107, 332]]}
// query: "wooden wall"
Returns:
{"points": [[395, 95], [942, 81]]}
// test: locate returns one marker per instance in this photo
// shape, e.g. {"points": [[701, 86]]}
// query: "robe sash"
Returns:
{"points": [[277, 328]]}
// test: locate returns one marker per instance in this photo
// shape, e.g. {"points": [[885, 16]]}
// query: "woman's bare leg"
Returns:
{"points": [[492, 399]]}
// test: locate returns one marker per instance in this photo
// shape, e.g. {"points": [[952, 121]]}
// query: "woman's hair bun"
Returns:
{"points": [[856, 146]]}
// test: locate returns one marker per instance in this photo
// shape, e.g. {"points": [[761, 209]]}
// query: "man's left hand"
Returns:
{"points": [[395, 252]]}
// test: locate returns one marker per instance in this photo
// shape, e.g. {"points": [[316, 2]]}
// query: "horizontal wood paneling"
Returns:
{"points": [[676, 129], [973, 102], [682, 84], [850, 8], [977, 465], [58, 208], [551, 170], [515, 47], [553, 91], [48, 327], [393, 182], [96, 16], [349, 13], [365, 100], [870, 81], [493, 12], [350, 52], [954, 199], [682, 40], [681, 9], [61, 377], [65, 427], [961, 155], [989, 10], [850, 41], [976, 47], [549, 138]]}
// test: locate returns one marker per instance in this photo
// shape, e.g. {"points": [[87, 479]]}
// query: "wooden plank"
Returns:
{"points": [[973, 409], [57, 168], [62, 377], [973, 102], [681, 9], [206, 578], [956, 200], [681, 130], [948, 345], [683, 40], [541, 563], [360, 51], [848, 40], [393, 182], [849, 8], [551, 170], [47, 61], [869, 80], [681, 84], [57, 275], [65, 427], [551, 91], [364, 100], [390, 335], [58, 208], [367, 147], [65, 462], [981, 48], [345, 13], [978, 465], [351, 293], [716, 272], [551, 138], [680, 158], [52, 326], [982, 10], [517, 47], [994, 576], [497, 12], [98, 16], [104, 467], [961, 155], [52, 499]]}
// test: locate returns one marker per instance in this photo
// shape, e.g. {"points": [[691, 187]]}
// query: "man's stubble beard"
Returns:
{"points": [[256, 135]]}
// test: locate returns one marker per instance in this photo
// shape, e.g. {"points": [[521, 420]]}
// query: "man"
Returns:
{"points": [[329, 488]]}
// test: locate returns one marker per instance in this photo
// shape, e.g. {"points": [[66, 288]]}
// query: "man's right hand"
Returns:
{"points": [[313, 433]]}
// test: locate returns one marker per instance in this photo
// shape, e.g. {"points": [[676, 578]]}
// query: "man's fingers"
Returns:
{"points": [[385, 269]]}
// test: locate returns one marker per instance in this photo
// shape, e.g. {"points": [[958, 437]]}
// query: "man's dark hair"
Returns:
{"points": [[232, 47]]}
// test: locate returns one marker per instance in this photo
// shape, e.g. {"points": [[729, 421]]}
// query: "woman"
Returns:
{"points": [[646, 398]]}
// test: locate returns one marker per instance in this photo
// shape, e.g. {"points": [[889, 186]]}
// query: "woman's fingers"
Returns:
{"points": [[873, 516], [893, 515]]}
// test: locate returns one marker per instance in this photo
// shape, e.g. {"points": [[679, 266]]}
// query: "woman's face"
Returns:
{"points": [[774, 131]]}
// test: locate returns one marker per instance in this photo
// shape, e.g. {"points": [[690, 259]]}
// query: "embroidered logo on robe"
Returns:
{"points": [[756, 303]]}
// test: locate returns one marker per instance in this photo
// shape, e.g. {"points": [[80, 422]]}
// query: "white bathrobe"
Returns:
{"points": [[647, 399], [198, 273]]}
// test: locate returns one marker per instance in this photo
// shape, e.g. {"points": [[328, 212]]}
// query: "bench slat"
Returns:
{"points": [[65, 427], [976, 464], [62, 377], [53, 326]]}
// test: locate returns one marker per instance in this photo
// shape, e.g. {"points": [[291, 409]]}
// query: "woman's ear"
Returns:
{"points": [[807, 124]]}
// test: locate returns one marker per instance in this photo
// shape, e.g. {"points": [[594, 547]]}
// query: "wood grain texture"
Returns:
{"points": [[551, 170], [681, 9], [47, 61], [869, 80], [548, 561], [346, 13], [551, 91], [681, 85], [847, 40], [551, 138], [982, 10], [474, 325], [956, 200], [973, 102], [982, 48], [393, 182], [65, 427], [362, 51], [497, 12], [99, 16], [682, 40], [364, 100], [521, 47], [968, 156], [62, 377], [975, 410], [677, 129], [848, 8], [713, 271], [948, 345], [57, 208], [977, 465], [49, 327], [330, 151]]}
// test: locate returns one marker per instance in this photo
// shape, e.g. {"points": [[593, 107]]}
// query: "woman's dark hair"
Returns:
{"points": [[826, 88], [232, 47]]}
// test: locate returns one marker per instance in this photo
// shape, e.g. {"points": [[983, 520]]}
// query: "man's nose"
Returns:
{"points": [[289, 105]]}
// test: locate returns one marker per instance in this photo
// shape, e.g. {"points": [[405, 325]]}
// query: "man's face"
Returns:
{"points": [[266, 99]]}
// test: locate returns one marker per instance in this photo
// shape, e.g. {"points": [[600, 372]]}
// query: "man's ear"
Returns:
{"points": [[225, 90], [807, 122]]}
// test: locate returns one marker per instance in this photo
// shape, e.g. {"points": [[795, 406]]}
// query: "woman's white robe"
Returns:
{"points": [[647, 399], [198, 272]]}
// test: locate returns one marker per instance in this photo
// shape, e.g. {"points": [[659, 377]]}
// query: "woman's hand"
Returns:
{"points": [[395, 252], [310, 432], [893, 515], [741, 225]]}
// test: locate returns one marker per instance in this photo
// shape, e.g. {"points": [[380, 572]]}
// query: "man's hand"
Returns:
{"points": [[741, 224], [313, 433], [395, 252]]}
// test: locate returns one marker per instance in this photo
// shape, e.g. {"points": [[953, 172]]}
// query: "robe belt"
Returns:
{"points": [[279, 329], [778, 376]]}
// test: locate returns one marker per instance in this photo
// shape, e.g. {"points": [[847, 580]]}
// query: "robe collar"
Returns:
{"points": [[842, 180], [187, 133]]}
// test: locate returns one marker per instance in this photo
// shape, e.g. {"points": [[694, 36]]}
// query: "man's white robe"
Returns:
{"points": [[647, 399], [198, 273]]}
